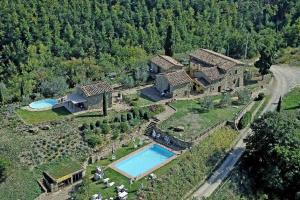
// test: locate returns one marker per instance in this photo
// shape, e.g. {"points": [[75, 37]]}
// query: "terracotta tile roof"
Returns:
{"points": [[165, 62], [96, 88], [213, 73], [178, 78], [215, 59], [202, 81]]}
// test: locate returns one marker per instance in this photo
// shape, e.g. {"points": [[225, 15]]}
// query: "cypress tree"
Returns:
{"points": [[104, 104], [1, 96], [278, 109], [169, 42]]}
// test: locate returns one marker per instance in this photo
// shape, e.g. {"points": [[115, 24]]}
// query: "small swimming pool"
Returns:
{"points": [[43, 104], [144, 161]]}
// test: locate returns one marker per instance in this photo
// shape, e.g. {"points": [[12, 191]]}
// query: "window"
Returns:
{"points": [[236, 71]]}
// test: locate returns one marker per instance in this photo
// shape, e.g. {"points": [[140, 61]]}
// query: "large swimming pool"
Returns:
{"points": [[43, 104], [144, 161]]}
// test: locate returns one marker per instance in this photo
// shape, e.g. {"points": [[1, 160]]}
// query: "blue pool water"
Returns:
{"points": [[145, 160], [42, 104]]}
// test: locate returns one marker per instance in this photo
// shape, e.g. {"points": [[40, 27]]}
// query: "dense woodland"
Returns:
{"points": [[49, 46]]}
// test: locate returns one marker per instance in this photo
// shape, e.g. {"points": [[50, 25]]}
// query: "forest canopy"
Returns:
{"points": [[71, 41]]}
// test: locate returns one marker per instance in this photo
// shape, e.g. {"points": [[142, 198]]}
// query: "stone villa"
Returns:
{"points": [[88, 97], [162, 64], [174, 84], [214, 72]]}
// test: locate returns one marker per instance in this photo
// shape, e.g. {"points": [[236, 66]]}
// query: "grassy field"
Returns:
{"points": [[292, 100], [194, 121], [236, 187], [31, 117]]}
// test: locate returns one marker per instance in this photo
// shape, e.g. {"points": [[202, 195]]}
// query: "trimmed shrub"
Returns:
{"points": [[117, 118], [123, 118], [135, 113], [98, 123], [105, 129], [225, 100], [260, 96], [124, 127], [141, 113], [84, 126], [129, 116], [93, 140], [92, 126], [146, 116], [244, 96], [245, 120]]}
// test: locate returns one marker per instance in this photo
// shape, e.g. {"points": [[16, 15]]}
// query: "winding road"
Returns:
{"points": [[285, 78]]}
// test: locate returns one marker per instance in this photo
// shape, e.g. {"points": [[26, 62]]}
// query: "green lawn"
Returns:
{"points": [[35, 117], [194, 121], [136, 100], [292, 100]]}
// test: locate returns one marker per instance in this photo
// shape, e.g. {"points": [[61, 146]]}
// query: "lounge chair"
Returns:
{"points": [[105, 180], [121, 187], [110, 184]]}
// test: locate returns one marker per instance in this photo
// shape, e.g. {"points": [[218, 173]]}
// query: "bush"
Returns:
{"points": [[105, 121], [92, 126], [245, 120], [225, 100], [3, 169], [260, 96], [124, 127], [146, 116], [93, 140], [84, 126], [105, 129], [117, 118], [135, 113], [244, 96], [97, 131], [98, 123], [206, 104], [115, 136], [141, 113], [129, 116], [123, 118]]}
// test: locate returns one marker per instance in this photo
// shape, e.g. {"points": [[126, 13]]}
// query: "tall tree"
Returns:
{"points": [[273, 153], [264, 63], [104, 106], [278, 109], [169, 41]]}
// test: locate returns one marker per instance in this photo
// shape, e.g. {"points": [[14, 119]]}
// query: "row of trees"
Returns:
{"points": [[87, 40]]}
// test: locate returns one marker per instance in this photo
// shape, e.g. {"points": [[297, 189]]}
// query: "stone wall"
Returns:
{"points": [[181, 90]]}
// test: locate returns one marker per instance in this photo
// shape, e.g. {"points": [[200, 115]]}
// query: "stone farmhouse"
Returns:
{"points": [[162, 64], [87, 97], [214, 72], [174, 84]]}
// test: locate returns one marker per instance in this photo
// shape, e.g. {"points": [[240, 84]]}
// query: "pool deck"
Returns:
{"points": [[112, 165]]}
